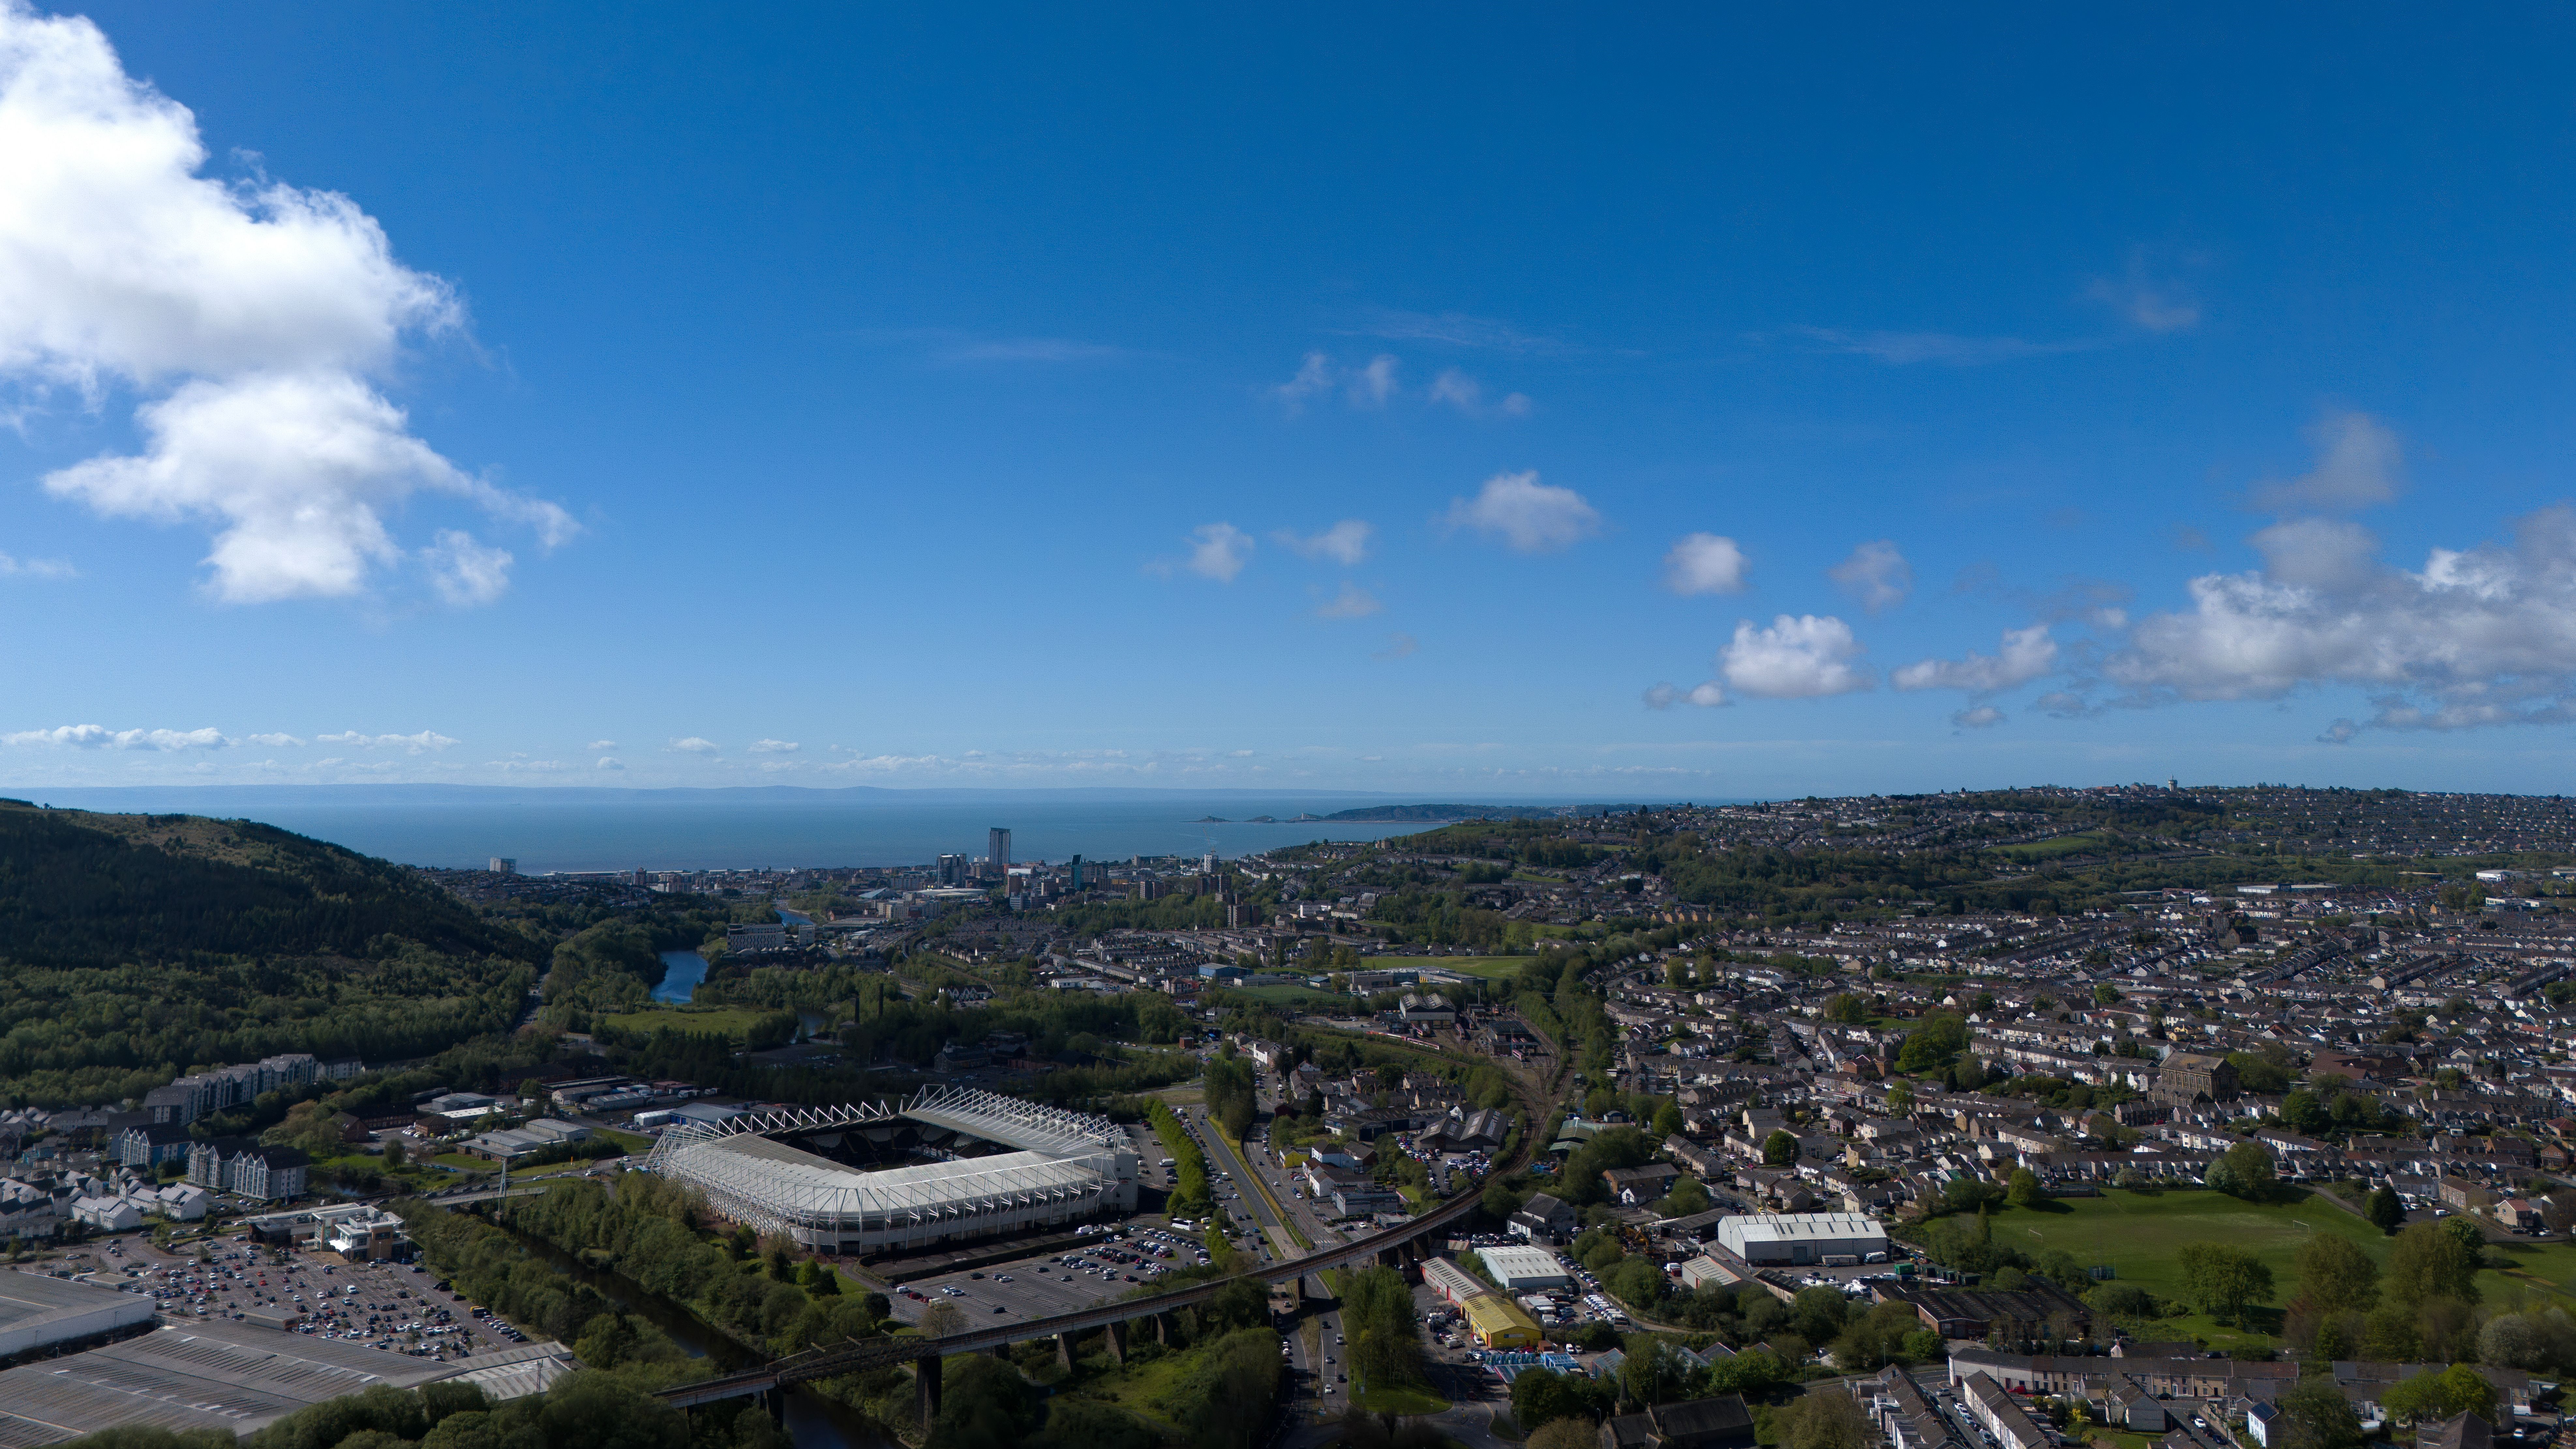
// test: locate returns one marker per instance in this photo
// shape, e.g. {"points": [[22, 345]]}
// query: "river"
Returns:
{"points": [[681, 973], [812, 1422]]}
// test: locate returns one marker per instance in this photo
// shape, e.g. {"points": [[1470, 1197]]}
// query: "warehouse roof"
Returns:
{"points": [[1512, 1266], [1791, 1227], [1490, 1311]]}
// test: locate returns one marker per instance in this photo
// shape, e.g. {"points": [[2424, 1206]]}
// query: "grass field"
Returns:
{"points": [[732, 1021], [1400, 1401], [2137, 1233], [1299, 998]]}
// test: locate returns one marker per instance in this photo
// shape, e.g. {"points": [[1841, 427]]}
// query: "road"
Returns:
{"points": [[1314, 1343]]}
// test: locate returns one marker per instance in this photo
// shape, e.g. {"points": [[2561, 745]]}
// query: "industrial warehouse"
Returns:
{"points": [[893, 1178]]}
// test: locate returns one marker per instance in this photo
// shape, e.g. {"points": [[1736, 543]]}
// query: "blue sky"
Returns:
{"points": [[1449, 400]]}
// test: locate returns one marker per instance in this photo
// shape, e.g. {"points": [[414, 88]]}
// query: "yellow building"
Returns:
{"points": [[1498, 1322]]}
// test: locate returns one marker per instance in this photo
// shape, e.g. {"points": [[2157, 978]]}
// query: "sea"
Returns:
{"points": [[573, 829]]}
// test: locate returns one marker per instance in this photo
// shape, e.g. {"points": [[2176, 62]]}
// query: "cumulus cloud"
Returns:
{"points": [[1984, 716], [2476, 637], [12, 566], [1876, 575], [1218, 551], [775, 747], [1373, 384], [595, 746], [1346, 542], [423, 742], [1525, 514], [610, 763], [1804, 656], [277, 741], [465, 571], [1367, 386], [1398, 646], [693, 746], [257, 312], [1467, 395], [1704, 563], [1664, 696], [2146, 301], [2026, 655], [2062, 704], [98, 737], [2360, 464], [1353, 602]]}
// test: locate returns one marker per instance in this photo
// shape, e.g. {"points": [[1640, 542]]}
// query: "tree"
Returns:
{"points": [[1543, 1396], [1826, 1419], [2458, 1389], [1385, 1332], [2244, 1170], [1900, 1100], [1565, 1434], [1779, 1149], [942, 1319], [1668, 1120], [2318, 1416], [1818, 1313], [2385, 1211], [2429, 1263], [395, 1153], [2223, 1280], [2122, 1302], [1687, 1197], [2105, 994], [2336, 1276], [1847, 1009], [2024, 1190]]}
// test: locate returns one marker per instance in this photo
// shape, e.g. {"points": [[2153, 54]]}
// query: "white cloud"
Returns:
{"points": [[2026, 655], [607, 763], [1704, 563], [36, 568], [261, 308], [1346, 542], [1454, 329], [1353, 602], [277, 741], [1707, 696], [1984, 716], [693, 746], [424, 742], [595, 746], [1529, 516], [1373, 384], [1398, 646], [2360, 464], [1876, 575], [1899, 349], [465, 571], [1218, 551], [1467, 395], [2482, 636], [775, 747], [2147, 302], [1314, 378], [97, 737], [1805, 656]]}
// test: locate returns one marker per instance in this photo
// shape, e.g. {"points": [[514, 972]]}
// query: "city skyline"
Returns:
{"points": [[1656, 408]]}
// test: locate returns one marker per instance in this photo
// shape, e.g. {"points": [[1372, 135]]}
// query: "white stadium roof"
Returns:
{"points": [[1069, 1164]]}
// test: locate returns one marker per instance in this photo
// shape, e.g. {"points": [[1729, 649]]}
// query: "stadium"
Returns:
{"points": [[941, 1168]]}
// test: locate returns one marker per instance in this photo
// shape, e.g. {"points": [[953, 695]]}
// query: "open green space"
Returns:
{"points": [[727, 1021], [1489, 967], [1399, 1401], [2137, 1233], [2052, 849], [1298, 998]]}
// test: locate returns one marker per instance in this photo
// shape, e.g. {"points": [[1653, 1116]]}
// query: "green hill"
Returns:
{"points": [[135, 947]]}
